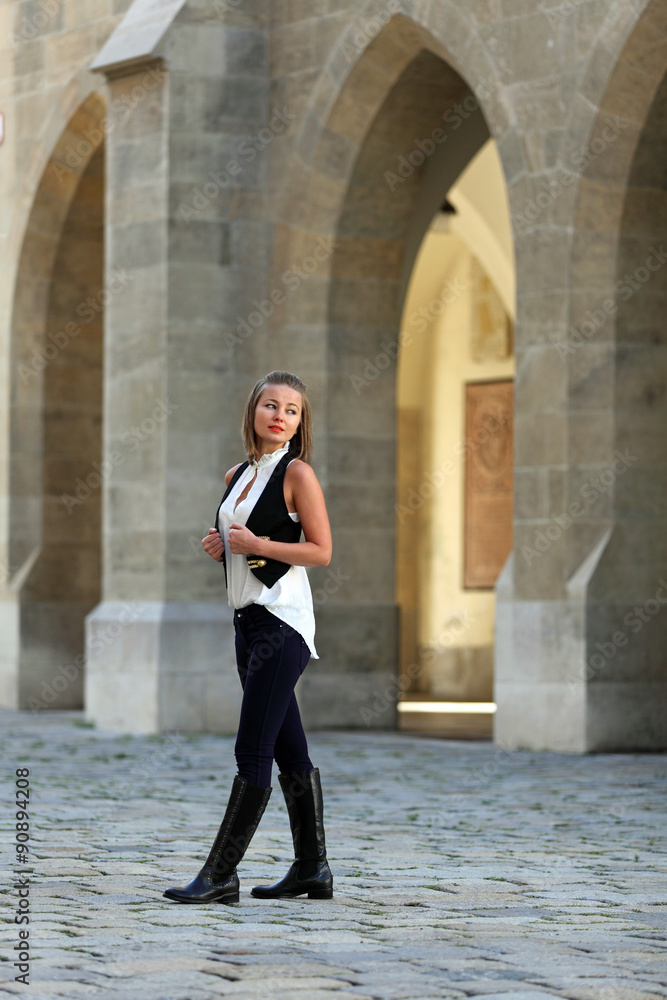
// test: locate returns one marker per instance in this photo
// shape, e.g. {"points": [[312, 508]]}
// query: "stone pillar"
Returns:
{"points": [[183, 227], [582, 619]]}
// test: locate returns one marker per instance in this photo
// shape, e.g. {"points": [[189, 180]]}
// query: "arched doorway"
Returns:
{"points": [[402, 126], [455, 446], [56, 416]]}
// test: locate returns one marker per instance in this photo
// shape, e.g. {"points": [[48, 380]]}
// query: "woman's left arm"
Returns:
{"points": [[308, 499]]}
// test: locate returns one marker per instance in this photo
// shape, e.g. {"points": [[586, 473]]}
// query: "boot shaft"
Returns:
{"points": [[245, 809], [303, 797]]}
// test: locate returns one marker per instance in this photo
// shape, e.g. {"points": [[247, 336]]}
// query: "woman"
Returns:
{"points": [[268, 501]]}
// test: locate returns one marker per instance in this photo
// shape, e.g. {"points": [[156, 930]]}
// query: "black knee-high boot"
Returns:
{"points": [[310, 870], [218, 881]]}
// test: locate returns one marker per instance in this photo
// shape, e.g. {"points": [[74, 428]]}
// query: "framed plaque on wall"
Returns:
{"points": [[488, 481]]}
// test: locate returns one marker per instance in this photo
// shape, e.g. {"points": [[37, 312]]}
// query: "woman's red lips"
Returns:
{"points": [[274, 427]]}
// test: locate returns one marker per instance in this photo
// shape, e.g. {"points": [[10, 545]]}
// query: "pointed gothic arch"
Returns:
{"points": [[55, 411], [390, 127]]}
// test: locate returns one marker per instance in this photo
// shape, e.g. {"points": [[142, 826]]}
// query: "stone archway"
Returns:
{"points": [[375, 159], [620, 361], [55, 415], [454, 516]]}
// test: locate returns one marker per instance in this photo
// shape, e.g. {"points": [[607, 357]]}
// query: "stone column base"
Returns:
{"points": [[539, 668], [354, 683], [41, 663], [10, 629], [154, 666], [571, 675]]}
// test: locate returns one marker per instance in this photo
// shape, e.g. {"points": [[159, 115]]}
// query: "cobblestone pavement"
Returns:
{"points": [[460, 870]]}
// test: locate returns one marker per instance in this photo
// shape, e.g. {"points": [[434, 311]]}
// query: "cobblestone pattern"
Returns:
{"points": [[460, 870]]}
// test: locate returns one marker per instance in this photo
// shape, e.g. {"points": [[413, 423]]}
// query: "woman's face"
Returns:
{"points": [[277, 416]]}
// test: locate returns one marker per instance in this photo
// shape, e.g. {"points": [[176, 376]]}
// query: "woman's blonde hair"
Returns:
{"points": [[300, 445]]}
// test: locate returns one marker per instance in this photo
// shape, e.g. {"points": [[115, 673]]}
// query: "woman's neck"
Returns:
{"points": [[267, 450]]}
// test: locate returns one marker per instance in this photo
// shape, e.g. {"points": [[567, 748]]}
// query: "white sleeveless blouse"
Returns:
{"points": [[290, 598]]}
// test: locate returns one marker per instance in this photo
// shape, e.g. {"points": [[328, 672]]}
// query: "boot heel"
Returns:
{"points": [[231, 897], [321, 893]]}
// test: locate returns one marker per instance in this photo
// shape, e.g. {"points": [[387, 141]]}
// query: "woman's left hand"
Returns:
{"points": [[242, 541]]}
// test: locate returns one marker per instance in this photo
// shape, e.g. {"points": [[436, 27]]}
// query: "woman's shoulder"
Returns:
{"points": [[300, 471], [301, 482], [230, 472]]}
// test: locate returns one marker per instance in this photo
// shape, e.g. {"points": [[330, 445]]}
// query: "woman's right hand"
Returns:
{"points": [[213, 544]]}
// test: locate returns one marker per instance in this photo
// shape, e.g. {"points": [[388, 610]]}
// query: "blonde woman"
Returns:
{"points": [[270, 499]]}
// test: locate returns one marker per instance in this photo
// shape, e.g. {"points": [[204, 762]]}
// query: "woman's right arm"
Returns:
{"points": [[213, 543]]}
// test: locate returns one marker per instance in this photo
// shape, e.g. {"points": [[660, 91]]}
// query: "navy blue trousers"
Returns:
{"points": [[270, 657]]}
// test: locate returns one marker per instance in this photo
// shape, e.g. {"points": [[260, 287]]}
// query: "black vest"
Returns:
{"points": [[269, 518]]}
